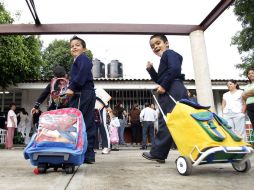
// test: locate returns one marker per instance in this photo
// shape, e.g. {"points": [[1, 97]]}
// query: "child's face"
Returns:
{"points": [[76, 48], [158, 46]]}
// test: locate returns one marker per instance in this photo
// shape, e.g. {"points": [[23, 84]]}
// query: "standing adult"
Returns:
{"points": [[11, 125], [23, 121], [81, 89], [121, 114], [233, 108], [248, 96], [192, 97], [147, 117], [170, 81], [156, 121], [135, 124], [101, 126]]}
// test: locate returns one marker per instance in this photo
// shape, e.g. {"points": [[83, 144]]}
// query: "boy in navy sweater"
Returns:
{"points": [[170, 81], [81, 89]]}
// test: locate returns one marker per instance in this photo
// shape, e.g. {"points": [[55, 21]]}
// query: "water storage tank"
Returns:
{"points": [[98, 69], [115, 69]]}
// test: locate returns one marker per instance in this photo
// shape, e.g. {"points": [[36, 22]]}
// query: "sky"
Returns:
{"points": [[133, 51]]}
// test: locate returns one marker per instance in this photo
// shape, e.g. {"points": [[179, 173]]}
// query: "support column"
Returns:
{"points": [[3, 97], [201, 69]]}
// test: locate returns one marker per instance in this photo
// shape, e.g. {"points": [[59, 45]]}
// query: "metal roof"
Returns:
{"points": [[110, 28]]}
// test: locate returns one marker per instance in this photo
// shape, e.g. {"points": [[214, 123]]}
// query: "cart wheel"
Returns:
{"points": [[42, 168], [69, 169], [244, 167], [184, 165]]}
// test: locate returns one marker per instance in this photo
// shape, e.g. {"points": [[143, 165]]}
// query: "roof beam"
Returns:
{"points": [[215, 13], [102, 28], [98, 28]]}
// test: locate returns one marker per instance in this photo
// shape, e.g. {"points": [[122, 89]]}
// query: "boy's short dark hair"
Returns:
{"points": [[83, 43], [59, 71], [161, 36]]}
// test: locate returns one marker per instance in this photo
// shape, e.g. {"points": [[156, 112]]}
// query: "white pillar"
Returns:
{"points": [[201, 69]]}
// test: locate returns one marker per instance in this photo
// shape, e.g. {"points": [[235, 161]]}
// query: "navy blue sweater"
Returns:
{"points": [[81, 77], [169, 69]]}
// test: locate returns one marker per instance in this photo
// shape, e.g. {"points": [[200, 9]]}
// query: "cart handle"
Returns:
{"points": [[154, 97]]}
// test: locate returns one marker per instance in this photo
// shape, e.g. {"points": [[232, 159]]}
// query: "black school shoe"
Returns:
{"points": [[148, 156]]}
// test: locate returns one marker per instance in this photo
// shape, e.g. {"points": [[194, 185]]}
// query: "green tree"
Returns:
{"points": [[245, 39], [20, 56], [57, 53], [5, 17]]}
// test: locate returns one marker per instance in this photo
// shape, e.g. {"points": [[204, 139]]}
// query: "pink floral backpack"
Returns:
{"points": [[58, 87], [114, 138]]}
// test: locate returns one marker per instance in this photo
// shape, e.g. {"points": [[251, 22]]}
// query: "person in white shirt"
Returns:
{"points": [[147, 116], [11, 125], [233, 108]]}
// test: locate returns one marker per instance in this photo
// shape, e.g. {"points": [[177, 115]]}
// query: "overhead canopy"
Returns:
{"points": [[105, 25]]}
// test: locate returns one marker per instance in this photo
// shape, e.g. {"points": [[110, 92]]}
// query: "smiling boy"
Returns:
{"points": [[81, 89], [170, 81]]}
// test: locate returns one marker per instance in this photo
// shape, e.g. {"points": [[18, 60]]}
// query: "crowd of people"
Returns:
{"points": [[106, 127]]}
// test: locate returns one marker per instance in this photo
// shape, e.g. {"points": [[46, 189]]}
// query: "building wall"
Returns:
{"points": [[127, 97]]}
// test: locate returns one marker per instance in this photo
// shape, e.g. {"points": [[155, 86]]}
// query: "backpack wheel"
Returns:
{"points": [[69, 169], [42, 168], [244, 167], [184, 165]]}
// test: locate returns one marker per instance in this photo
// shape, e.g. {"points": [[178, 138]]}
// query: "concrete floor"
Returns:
{"points": [[120, 170]]}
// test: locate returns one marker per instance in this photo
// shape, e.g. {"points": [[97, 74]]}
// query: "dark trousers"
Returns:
{"points": [[97, 136], [86, 106], [163, 140], [250, 113], [135, 132], [103, 130]]}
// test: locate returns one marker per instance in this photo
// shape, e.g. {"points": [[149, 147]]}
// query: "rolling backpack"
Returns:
{"points": [[58, 88]]}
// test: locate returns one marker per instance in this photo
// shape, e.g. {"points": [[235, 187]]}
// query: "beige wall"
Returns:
{"points": [[29, 98]]}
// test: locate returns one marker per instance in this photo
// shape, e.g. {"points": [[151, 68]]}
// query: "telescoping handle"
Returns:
{"points": [[154, 97]]}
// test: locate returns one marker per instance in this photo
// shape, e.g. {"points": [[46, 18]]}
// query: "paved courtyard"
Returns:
{"points": [[120, 170]]}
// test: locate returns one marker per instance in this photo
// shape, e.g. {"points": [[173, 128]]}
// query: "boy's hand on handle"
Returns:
{"points": [[69, 92], [149, 65], [160, 90]]}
